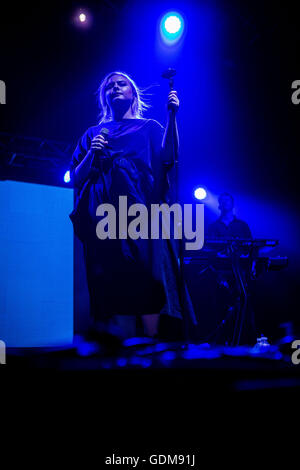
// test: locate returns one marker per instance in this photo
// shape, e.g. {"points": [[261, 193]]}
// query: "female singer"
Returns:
{"points": [[133, 284]]}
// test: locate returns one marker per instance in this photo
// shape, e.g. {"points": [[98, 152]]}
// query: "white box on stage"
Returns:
{"points": [[36, 259]]}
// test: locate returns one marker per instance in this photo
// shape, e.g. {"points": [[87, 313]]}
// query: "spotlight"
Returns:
{"points": [[172, 24], [200, 193], [82, 17], [67, 177], [171, 27]]}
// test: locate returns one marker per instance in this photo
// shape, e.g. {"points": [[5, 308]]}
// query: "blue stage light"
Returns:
{"points": [[172, 24], [121, 362], [171, 27], [200, 193], [67, 177]]}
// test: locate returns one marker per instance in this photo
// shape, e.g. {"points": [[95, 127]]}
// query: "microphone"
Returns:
{"points": [[96, 162], [104, 132], [169, 74]]}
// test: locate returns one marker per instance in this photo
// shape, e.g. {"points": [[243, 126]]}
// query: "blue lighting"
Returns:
{"points": [[200, 193], [121, 362], [171, 27], [67, 177], [168, 356], [172, 24], [136, 341]]}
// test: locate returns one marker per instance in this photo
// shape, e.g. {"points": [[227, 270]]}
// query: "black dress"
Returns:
{"points": [[126, 276]]}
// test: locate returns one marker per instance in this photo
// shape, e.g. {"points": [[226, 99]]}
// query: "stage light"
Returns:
{"points": [[172, 24], [67, 177], [82, 17], [171, 27], [121, 362], [200, 193]]}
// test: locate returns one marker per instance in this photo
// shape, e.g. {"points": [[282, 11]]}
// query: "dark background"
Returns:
{"points": [[238, 126]]}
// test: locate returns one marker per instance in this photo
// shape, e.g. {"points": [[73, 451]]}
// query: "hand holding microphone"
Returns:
{"points": [[99, 141], [98, 147], [173, 101]]}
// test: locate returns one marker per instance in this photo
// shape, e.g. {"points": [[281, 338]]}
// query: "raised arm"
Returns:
{"points": [[170, 143]]}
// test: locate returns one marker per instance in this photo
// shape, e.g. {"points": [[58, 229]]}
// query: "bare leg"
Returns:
{"points": [[150, 323]]}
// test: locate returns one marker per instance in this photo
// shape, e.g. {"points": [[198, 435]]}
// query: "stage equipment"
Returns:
{"points": [[82, 17], [67, 177], [169, 75], [200, 193], [36, 253], [241, 259], [171, 28], [34, 160]]}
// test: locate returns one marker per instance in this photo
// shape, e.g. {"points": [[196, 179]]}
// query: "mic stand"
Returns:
{"points": [[169, 74]]}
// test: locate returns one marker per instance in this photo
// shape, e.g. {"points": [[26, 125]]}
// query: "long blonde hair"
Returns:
{"points": [[138, 105]]}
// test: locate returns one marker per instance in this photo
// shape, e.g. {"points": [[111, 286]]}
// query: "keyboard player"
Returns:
{"points": [[228, 225]]}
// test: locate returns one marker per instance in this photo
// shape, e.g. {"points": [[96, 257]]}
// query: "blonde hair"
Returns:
{"points": [[138, 105]]}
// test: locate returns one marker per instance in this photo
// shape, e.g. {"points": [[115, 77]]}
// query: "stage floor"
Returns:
{"points": [[239, 368]]}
